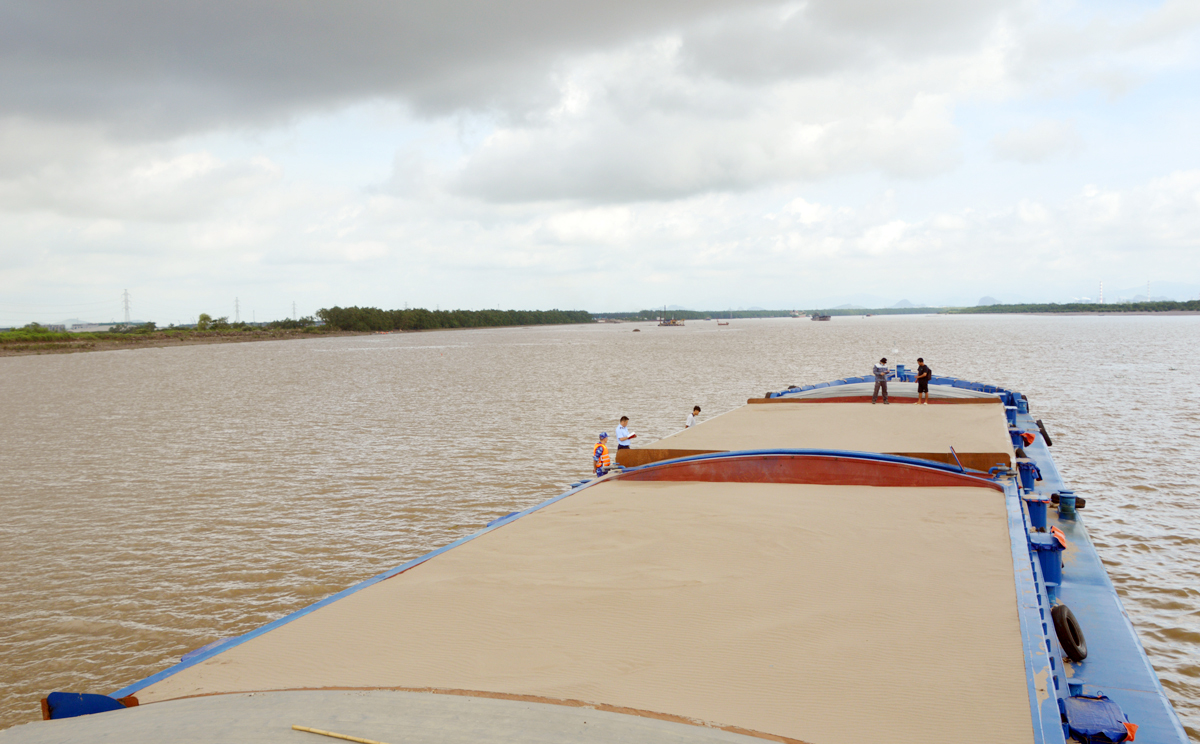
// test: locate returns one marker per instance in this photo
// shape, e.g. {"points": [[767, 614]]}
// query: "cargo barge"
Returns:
{"points": [[808, 567]]}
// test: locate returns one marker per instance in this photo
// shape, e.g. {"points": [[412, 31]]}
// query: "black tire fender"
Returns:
{"points": [[1070, 635], [1042, 428]]}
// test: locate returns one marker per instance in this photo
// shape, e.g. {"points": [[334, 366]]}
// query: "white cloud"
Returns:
{"points": [[808, 213], [1038, 142], [1031, 212], [80, 174]]}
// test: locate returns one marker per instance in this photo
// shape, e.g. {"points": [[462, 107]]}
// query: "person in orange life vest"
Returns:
{"points": [[600, 462]]}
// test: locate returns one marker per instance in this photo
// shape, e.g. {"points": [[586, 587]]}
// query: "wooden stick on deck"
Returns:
{"points": [[336, 736]]}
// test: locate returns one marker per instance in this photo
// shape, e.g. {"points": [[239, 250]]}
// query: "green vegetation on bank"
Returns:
{"points": [[35, 333], [420, 319], [1083, 307], [38, 338], [35, 338]]}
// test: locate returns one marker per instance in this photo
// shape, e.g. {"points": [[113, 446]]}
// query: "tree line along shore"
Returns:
{"points": [[37, 339], [1029, 308]]}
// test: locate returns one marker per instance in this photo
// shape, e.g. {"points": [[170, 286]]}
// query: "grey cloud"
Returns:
{"points": [[914, 24], [145, 67], [826, 36]]}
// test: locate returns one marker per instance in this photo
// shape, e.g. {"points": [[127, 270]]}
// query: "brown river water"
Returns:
{"points": [[152, 501]]}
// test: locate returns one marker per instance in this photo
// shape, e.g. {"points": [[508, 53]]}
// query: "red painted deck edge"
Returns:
{"points": [[826, 470]]}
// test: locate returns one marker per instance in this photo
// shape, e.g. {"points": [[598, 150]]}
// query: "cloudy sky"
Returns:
{"points": [[604, 156]]}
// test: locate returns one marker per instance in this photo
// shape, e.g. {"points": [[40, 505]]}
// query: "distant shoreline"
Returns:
{"points": [[1103, 312], [163, 340], [158, 341]]}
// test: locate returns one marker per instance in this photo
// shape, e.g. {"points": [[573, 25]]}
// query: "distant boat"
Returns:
{"points": [[821, 317], [665, 321], [722, 322]]}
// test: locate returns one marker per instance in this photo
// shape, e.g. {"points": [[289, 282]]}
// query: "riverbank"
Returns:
{"points": [[66, 344], [1121, 312]]}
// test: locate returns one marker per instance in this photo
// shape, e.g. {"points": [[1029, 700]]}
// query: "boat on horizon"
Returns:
{"points": [[809, 568]]}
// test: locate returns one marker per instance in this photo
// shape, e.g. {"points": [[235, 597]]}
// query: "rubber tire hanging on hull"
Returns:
{"points": [[1070, 635], [1041, 427]]}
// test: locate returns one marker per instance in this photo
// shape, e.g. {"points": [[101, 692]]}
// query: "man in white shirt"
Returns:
{"points": [[881, 372], [623, 434], [691, 419]]}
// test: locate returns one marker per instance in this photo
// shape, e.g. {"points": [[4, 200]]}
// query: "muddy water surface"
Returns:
{"points": [[153, 501]]}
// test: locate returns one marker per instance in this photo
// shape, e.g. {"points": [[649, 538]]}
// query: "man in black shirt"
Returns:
{"points": [[923, 375]]}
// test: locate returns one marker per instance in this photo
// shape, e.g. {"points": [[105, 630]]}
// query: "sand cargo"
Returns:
{"points": [[809, 567]]}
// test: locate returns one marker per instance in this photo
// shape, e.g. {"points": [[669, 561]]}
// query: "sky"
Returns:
{"points": [[234, 158]]}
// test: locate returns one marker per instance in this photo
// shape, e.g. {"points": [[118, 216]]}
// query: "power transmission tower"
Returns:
{"points": [[237, 311], [125, 298]]}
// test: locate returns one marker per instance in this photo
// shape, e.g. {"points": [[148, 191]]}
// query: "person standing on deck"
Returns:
{"points": [[600, 462], [881, 372], [623, 435], [691, 419], [923, 375]]}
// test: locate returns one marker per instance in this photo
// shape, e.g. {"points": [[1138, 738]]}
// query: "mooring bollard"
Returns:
{"points": [[1066, 503]]}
